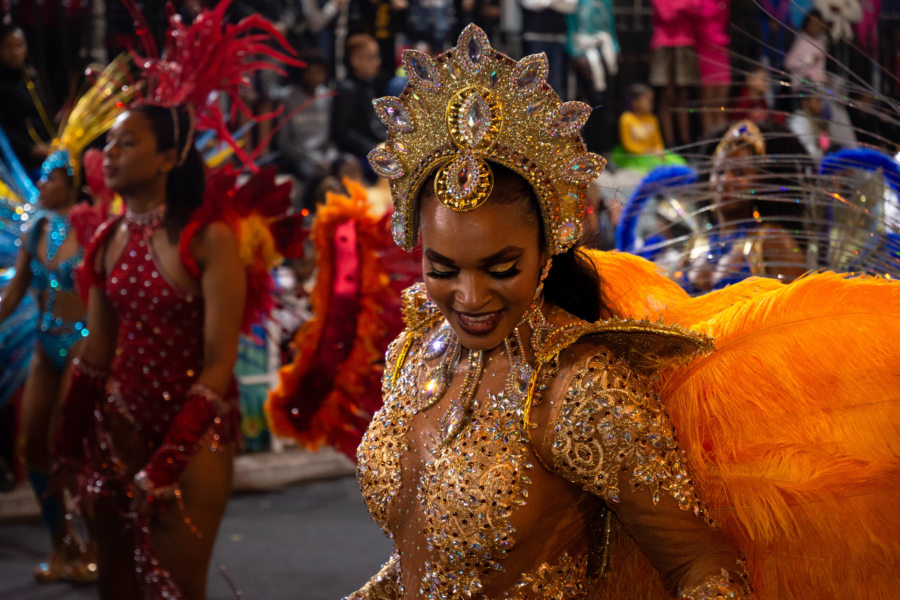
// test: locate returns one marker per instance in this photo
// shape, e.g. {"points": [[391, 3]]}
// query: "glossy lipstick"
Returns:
{"points": [[479, 324]]}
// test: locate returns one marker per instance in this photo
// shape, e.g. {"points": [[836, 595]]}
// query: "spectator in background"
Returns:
{"points": [[594, 49], [355, 126], [544, 29], [305, 140], [710, 31], [871, 125], [806, 58], [642, 144], [673, 64], [430, 21], [22, 114], [484, 13], [810, 124], [312, 24], [384, 20], [57, 32], [773, 17], [753, 103]]}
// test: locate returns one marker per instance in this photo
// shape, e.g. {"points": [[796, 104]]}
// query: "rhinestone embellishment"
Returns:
{"points": [[464, 183], [472, 106], [474, 47], [474, 118], [393, 114], [530, 73], [583, 167], [398, 228], [385, 164], [421, 70], [567, 119]]}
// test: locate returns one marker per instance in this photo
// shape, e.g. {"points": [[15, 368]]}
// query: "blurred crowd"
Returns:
{"points": [[709, 62]]}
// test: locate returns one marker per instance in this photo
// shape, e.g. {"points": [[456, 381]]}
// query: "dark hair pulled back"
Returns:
{"points": [[573, 283], [186, 182]]}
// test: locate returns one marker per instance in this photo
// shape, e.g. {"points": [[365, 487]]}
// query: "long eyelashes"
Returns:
{"points": [[440, 274], [504, 274]]}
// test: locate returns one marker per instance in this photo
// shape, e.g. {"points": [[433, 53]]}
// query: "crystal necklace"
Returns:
{"points": [[149, 218], [445, 343]]}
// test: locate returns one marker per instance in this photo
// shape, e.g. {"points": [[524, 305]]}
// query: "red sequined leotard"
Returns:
{"points": [[153, 418], [159, 351]]}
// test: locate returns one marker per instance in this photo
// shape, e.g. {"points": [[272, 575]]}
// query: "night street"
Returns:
{"points": [[310, 541]]}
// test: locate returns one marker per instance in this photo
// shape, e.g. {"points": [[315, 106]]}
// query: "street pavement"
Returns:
{"points": [[312, 540]]}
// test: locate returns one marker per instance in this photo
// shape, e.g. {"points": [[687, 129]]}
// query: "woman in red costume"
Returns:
{"points": [[152, 417], [161, 350]]}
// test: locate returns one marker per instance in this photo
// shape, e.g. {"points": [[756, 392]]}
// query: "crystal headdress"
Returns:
{"points": [[94, 113], [744, 133], [470, 105]]}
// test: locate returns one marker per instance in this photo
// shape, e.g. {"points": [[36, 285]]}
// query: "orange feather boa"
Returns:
{"points": [[342, 415], [792, 426]]}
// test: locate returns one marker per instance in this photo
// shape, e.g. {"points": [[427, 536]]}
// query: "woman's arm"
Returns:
{"points": [[611, 436], [224, 283], [17, 288]]}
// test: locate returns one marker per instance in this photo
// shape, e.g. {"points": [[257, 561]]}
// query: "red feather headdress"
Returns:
{"points": [[206, 58]]}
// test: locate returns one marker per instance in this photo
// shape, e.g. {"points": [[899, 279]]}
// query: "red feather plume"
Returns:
{"points": [[210, 56]]}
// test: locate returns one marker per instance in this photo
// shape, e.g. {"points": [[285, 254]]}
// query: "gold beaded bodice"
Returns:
{"points": [[541, 452]]}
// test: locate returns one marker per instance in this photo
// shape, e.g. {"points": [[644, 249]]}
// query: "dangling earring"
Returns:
{"points": [[544, 273]]}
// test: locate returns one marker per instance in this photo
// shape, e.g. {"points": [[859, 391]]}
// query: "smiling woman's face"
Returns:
{"points": [[481, 267]]}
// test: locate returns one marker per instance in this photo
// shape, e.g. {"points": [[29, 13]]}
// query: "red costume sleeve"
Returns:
{"points": [[203, 411]]}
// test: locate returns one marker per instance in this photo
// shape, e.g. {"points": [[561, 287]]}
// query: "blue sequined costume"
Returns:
{"points": [[55, 335]]}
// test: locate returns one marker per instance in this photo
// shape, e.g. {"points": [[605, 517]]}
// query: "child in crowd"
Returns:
{"points": [[753, 103], [642, 145], [805, 61], [810, 124]]}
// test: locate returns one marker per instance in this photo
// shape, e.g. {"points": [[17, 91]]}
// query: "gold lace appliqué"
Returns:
{"points": [[611, 424]]}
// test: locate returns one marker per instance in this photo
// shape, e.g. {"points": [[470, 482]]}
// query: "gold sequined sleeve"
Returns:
{"points": [[384, 585], [611, 435]]}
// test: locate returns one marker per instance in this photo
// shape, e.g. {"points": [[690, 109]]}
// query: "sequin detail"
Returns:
{"points": [[611, 424], [566, 580], [726, 585], [161, 349], [385, 585]]}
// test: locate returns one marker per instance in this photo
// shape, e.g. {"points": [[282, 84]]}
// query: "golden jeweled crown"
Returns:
{"points": [[474, 104]]}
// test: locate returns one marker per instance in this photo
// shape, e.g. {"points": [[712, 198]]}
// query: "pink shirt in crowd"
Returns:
{"points": [[806, 58], [673, 23]]}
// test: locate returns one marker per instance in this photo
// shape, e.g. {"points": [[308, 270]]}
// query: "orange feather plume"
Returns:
{"points": [[791, 427], [340, 415]]}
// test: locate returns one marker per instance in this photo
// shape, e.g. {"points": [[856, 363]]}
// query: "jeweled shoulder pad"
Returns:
{"points": [[419, 311], [471, 106], [645, 345]]}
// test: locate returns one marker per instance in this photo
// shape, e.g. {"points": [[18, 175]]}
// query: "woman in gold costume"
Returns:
{"points": [[514, 419]]}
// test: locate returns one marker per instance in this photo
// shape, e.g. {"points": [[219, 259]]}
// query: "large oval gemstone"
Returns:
{"points": [[474, 119], [567, 118], [393, 114], [385, 164]]}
